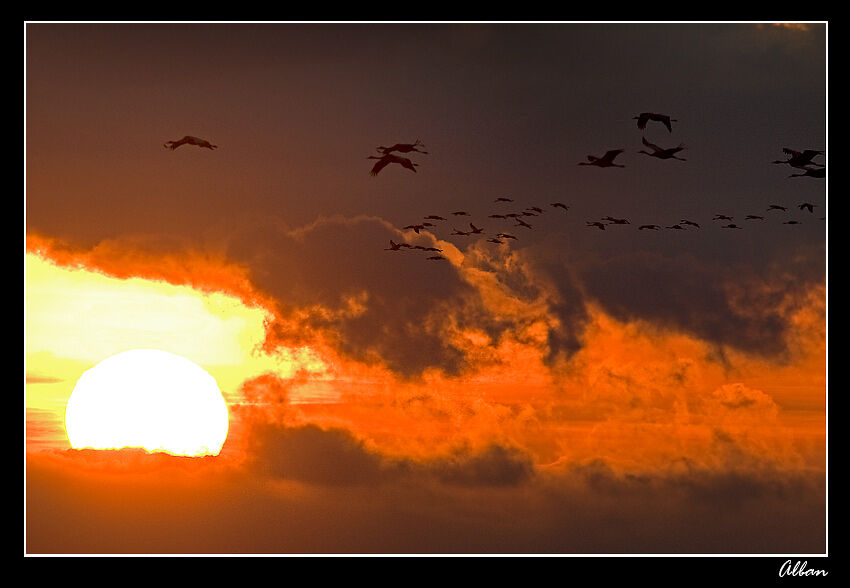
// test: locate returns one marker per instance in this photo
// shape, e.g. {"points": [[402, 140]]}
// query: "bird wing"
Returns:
{"points": [[610, 155], [175, 144], [652, 146], [379, 165]]}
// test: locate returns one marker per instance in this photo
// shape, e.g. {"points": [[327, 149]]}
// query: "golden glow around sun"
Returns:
{"points": [[149, 399]]}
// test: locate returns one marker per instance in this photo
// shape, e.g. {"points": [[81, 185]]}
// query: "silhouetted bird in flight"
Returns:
{"points": [[522, 223], [189, 140], [721, 217], [662, 153], [416, 228], [677, 227], [502, 199], [807, 206], [599, 225], [395, 246], [403, 148], [505, 236], [536, 209], [800, 159], [513, 215], [650, 227], [792, 222], [559, 205], [606, 160], [436, 257], [495, 240], [687, 222], [389, 158], [497, 216], [528, 213], [812, 172], [753, 217], [731, 226], [645, 117], [431, 249], [434, 217], [460, 213], [457, 232], [475, 230], [776, 207], [616, 221]]}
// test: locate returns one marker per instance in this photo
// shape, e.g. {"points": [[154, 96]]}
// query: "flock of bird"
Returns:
{"points": [[799, 160], [802, 160]]}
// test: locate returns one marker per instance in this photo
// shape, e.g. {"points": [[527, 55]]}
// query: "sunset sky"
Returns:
{"points": [[571, 391]]}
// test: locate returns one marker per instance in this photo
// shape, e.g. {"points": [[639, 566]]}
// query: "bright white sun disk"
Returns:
{"points": [[150, 399]]}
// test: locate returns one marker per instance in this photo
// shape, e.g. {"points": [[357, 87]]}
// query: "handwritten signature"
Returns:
{"points": [[799, 569]]}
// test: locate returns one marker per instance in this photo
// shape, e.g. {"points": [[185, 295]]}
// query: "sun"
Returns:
{"points": [[150, 399]]}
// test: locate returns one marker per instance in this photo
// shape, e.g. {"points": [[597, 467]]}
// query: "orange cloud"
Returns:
{"points": [[635, 393]]}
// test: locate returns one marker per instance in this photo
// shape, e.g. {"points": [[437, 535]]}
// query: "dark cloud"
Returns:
{"points": [[742, 306], [314, 455], [390, 305], [335, 457], [582, 509], [494, 466]]}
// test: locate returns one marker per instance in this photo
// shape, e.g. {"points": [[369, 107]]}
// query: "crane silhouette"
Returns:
{"points": [[645, 117], [807, 206], [403, 148], [777, 207], [475, 230], [662, 153], [395, 246], [649, 227], [606, 160], [800, 159], [389, 158], [559, 205], [189, 140], [599, 225], [502, 199]]}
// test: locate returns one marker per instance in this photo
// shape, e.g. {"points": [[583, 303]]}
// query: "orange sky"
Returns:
{"points": [[570, 391]]}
